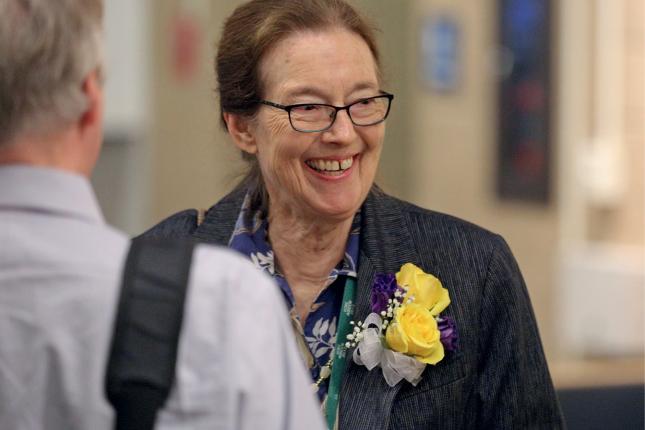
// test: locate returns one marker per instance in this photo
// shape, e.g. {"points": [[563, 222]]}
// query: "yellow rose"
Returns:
{"points": [[425, 288], [414, 332]]}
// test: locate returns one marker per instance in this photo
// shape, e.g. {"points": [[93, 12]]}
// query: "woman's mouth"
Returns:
{"points": [[330, 167]]}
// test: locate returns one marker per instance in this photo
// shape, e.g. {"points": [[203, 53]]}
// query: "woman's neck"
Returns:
{"points": [[307, 248]]}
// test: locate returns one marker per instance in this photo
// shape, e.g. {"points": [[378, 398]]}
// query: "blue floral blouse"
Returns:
{"points": [[317, 338]]}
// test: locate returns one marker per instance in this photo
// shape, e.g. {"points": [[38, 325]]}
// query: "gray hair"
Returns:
{"points": [[47, 48]]}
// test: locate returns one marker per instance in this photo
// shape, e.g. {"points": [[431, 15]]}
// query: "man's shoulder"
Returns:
{"points": [[218, 264], [224, 285]]}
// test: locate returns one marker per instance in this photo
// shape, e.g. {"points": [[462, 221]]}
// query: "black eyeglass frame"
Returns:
{"points": [[337, 109]]}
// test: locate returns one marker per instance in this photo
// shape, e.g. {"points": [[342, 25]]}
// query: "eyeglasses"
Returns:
{"points": [[314, 117]]}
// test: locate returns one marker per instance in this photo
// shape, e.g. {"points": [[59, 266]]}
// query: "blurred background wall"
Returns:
{"points": [[581, 248]]}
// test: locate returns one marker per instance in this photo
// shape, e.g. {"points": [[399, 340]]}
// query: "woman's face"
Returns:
{"points": [[323, 175]]}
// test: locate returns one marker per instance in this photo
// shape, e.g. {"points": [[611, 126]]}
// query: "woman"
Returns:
{"points": [[301, 96]]}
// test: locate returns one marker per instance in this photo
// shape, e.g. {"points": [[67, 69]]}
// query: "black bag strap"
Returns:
{"points": [[143, 354]]}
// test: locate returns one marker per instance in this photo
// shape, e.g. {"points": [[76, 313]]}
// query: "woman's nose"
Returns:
{"points": [[342, 130]]}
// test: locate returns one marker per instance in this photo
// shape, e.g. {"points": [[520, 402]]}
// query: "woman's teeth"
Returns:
{"points": [[331, 166]]}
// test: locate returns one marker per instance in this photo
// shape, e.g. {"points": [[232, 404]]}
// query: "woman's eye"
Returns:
{"points": [[364, 103], [307, 108]]}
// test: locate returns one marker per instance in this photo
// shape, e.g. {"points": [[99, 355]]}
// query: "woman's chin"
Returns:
{"points": [[337, 209]]}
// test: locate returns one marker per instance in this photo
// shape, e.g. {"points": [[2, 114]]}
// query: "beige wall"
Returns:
{"points": [[193, 160], [625, 223]]}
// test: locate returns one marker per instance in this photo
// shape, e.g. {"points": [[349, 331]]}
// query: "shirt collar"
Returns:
{"points": [[50, 190]]}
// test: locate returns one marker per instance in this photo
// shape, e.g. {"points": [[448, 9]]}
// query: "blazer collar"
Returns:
{"points": [[386, 242]]}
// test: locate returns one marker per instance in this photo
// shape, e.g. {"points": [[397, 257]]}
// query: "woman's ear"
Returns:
{"points": [[240, 129]]}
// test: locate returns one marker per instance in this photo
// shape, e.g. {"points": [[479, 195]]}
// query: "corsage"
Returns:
{"points": [[405, 331]]}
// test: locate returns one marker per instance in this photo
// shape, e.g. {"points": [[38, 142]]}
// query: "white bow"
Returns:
{"points": [[371, 353]]}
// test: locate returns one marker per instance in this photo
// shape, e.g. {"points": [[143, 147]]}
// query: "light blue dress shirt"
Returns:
{"points": [[60, 273]]}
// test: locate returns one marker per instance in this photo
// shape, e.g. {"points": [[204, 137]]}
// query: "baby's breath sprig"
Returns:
{"points": [[356, 335], [386, 315]]}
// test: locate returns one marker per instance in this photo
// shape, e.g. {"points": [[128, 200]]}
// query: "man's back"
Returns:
{"points": [[60, 274]]}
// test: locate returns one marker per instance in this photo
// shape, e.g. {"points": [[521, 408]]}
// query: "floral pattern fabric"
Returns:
{"points": [[317, 338]]}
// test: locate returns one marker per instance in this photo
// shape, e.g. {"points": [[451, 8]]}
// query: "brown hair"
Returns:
{"points": [[248, 33]]}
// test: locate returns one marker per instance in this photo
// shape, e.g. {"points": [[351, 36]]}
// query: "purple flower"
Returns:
{"points": [[382, 290], [449, 335]]}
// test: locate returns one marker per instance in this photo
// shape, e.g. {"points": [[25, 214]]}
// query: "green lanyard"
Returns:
{"points": [[338, 366]]}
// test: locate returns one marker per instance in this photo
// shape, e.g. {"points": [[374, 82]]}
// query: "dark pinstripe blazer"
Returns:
{"points": [[498, 379]]}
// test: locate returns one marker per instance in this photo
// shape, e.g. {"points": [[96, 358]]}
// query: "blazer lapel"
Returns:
{"points": [[386, 244]]}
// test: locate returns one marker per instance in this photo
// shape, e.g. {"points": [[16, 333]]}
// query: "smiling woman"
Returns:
{"points": [[301, 96]]}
